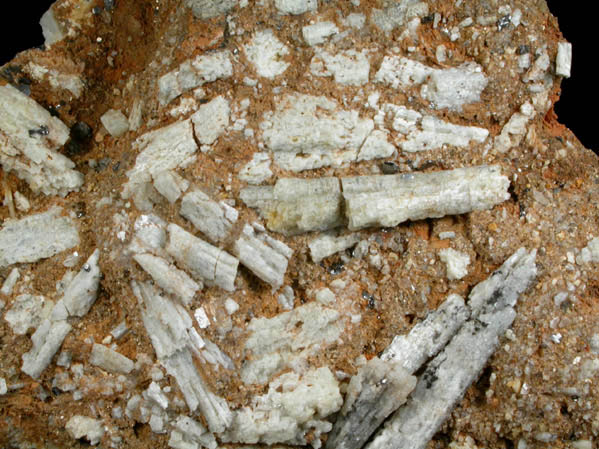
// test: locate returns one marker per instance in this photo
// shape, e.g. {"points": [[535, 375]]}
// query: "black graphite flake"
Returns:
{"points": [[41, 131], [429, 378], [504, 22], [336, 268], [370, 298], [389, 168]]}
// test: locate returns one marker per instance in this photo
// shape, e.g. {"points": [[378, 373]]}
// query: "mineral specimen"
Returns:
{"points": [[274, 223]]}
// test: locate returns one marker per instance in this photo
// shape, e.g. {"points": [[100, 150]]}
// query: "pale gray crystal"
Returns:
{"points": [[84, 427], [204, 261], [207, 9], [115, 122], [388, 200], [295, 206], [36, 237], [51, 29], [10, 281], [170, 185], [166, 148], [25, 313], [110, 360], [327, 245], [215, 220], [188, 433], [429, 336], [451, 372], [376, 391], [211, 120], [266, 257], [205, 68], [197, 395], [81, 293], [168, 277], [47, 339], [296, 7]]}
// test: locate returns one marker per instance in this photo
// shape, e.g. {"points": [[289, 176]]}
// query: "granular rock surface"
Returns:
{"points": [[296, 223]]}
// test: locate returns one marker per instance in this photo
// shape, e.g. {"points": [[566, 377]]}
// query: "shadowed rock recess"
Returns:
{"points": [[296, 224]]}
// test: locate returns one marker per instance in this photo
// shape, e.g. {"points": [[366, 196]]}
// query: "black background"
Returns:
{"points": [[19, 30]]}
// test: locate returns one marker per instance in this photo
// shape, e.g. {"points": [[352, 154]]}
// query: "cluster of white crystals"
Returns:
{"points": [[77, 299], [418, 132], [210, 120], [175, 340], [515, 129], [450, 373], [266, 257], [456, 263], [306, 132], [346, 67], [166, 148], [215, 220], [29, 138], [460, 338], [205, 68], [266, 54], [444, 88], [318, 32], [36, 237], [293, 407], [190, 434], [84, 427], [204, 261], [288, 339], [295, 206]]}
